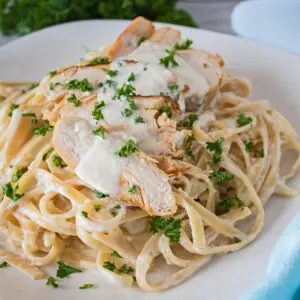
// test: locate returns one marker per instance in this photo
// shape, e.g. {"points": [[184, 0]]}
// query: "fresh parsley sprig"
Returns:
{"points": [[32, 115], [169, 59], [82, 85], [189, 120], [97, 111], [73, 99], [215, 147], [243, 120], [65, 270], [12, 192], [127, 149], [184, 45]]}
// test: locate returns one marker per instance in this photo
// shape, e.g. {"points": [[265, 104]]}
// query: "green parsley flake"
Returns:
{"points": [[108, 82], [52, 73], [166, 109], [221, 175], [124, 269], [175, 92], [97, 207], [97, 111], [19, 173], [86, 286], [169, 59], [58, 162], [185, 45], [189, 120], [171, 227], [98, 60], [73, 99], [139, 119], [132, 190], [52, 282], [260, 153], [11, 192], [109, 265], [215, 147], [118, 206], [53, 85], [100, 194], [12, 107], [126, 90], [236, 239], [189, 151], [127, 149], [227, 203], [249, 146], [132, 104], [131, 77], [82, 85], [99, 131], [116, 254], [44, 129], [4, 264], [33, 86], [32, 115], [84, 214], [127, 112], [110, 72], [47, 153], [243, 120], [65, 270]]}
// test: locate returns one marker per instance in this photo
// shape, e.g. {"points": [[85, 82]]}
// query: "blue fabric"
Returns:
{"points": [[282, 281], [276, 22]]}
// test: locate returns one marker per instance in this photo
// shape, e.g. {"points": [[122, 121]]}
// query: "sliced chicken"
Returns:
{"points": [[166, 36], [130, 38], [94, 161]]}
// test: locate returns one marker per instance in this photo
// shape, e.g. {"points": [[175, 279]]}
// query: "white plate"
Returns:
{"points": [[274, 75]]}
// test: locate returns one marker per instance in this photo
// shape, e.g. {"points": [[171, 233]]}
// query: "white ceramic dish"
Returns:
{"points": [[274, 75]]}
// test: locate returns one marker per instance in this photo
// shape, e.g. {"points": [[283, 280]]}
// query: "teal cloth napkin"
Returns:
{"points": [[282, 280], [275, 22]]}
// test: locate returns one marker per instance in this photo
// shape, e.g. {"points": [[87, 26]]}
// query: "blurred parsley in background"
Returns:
{"points": [[25, 16]]}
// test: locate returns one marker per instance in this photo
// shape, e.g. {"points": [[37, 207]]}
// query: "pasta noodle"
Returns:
{"points": [[223, 167]]}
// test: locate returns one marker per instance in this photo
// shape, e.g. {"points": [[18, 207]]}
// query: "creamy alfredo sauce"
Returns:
{"points": [[100, 166]]}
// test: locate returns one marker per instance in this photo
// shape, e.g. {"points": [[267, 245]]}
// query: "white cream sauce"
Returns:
{"points": [[100, 167]]}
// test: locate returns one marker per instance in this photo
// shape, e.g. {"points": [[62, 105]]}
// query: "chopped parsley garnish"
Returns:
{"points": [[100, 194], [126, 90], [4, 264], [52, 282], [171, 227], [215, 147], [116, 254], [175, 92], [98, 60], [53, 85], [131, 77], [58, 162], [188, 150], [110, 72], [65, 270], [139, 119], [221, 175], [86, 286], [132, 104], [227, 203], [236, 239], [52, 73], [185, 45], [169, 59], [73, 99], [189, 120], [260, 153], [249, 145], [243, 120], [44, 129], [124, 269], [82, 85], [127, 149], [166, 109], [33, 86], [113, 213], [12, 107], [109, 265], [132, 190], [108, 82], [127, 112], [32, 115], [97, 207], [97, 111], [84, 214], [11, 192], [47, 153], [19, 173], [118, 206], [143, 39], [99, 131]]}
